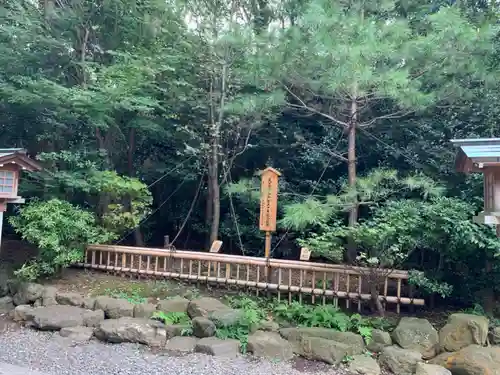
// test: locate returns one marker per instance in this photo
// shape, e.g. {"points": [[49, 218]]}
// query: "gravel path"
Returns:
{"points": [[48, 352]]}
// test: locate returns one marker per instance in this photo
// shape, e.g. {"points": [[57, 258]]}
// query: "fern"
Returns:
{"points": [[172, 317]]}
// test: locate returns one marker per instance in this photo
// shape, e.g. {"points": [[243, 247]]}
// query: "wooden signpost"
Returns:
{"points": [[268, 206]]}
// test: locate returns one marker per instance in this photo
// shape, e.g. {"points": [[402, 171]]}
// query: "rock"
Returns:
{"points": [[54, 318], [88, 303], [225, 318], [471, 360], [135, 330], [380, 339], [27, 293], [364, 365], [183, 344], [23, 313], [463, 330], [203, 327], [177, 330], [70, 299], [217, 347], [495, 336], [269, 345], [268, 325], [6, 305], [114, 308], [13, 286], [4, 285], [354, 341], [320, 349], [92, 318], [428, 369], [144, 310], [176, 304], [400, 361], [49, 296], [78, 333], [417, 335], [204, 306]]}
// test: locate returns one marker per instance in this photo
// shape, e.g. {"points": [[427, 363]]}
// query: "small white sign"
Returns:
{"points": [[216, 246], [305, 253]]}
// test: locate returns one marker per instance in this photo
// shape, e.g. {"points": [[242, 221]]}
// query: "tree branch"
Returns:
{"points": [[394, 115], [303, 105]]}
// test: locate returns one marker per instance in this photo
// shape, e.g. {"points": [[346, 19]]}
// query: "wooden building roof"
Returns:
{"points": [[19, 157], [475, 154]]}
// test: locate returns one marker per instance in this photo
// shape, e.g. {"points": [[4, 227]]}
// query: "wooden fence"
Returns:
{"points": [[325, 283]]}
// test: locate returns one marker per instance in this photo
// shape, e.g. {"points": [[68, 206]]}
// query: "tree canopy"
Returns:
{"points": [[152, 118]]}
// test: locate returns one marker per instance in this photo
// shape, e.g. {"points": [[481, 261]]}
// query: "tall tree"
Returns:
{"points": [[355, 64]]}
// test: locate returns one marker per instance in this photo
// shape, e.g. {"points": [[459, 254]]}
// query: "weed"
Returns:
{"points": [[297, 314], [188, 331], [251, 316], [132, 296], [172, 318], [347, 359]]}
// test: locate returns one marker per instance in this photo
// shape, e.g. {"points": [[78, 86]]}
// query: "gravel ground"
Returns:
{"points": [[48, 352]]}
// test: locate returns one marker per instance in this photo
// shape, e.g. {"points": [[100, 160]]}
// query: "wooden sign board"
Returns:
{"points": [[305, 253], [216, 246], [268, 200]]}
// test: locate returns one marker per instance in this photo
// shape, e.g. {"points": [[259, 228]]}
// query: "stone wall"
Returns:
{"points": [[414, 347]]}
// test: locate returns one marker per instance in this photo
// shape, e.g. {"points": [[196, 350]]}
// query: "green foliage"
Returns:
{"points": [[326, 316], [173, 318], [134, 296], [251, 316], [128, 199], [151, 89], [60, 231], [430, 286], [302, 315], [378, 186]]}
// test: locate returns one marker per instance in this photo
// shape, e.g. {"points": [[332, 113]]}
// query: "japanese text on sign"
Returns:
{"points": [[268, 200]]}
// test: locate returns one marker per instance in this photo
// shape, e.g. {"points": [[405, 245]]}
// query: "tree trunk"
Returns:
{"points": [[209, 204], [213, 180], [351, 173], [488, 294], [374, 297], [214, 184], [138, 238]]}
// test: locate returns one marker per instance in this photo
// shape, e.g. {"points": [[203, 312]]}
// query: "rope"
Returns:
{"points": [[169, 172], [152, 213], [313, 189]]}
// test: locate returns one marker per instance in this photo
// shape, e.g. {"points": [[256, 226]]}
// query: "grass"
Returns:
{"points": [[140, 292]]}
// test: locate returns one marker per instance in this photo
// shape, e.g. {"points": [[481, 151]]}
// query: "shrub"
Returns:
{"points": [[60, 230]]}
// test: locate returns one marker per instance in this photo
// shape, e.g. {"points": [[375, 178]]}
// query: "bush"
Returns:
{"points": [[60, 230]]}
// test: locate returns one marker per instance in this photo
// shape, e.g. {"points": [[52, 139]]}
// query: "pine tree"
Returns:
{"points": [[358, 63]]}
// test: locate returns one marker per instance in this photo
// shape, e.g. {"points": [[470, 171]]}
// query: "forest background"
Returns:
{"points": [[152, 118]]}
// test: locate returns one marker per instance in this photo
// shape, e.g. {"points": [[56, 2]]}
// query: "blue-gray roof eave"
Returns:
{"points": [[9, 151], [475, 142], [480, 149]]}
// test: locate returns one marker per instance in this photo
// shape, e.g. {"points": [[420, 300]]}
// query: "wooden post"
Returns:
{"points": [[166, 242], [268, 210], [1, 227], [267, 254]]}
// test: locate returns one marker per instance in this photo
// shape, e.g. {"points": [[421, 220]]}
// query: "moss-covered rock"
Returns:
{"points": [[463, 330], [417, 335], [471, 360]]}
